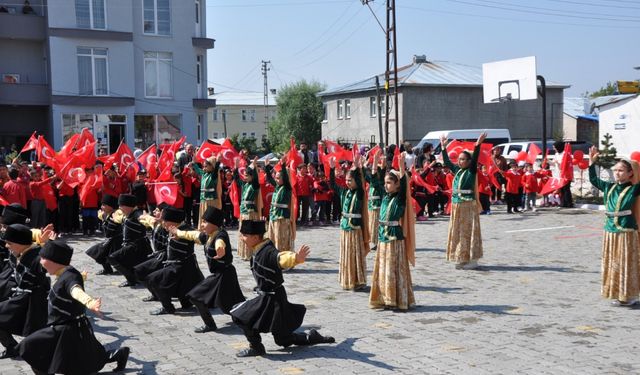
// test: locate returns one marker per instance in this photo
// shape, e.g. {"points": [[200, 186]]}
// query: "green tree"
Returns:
{"points": [[299, 115], [607, 157], [246, 143], [609, 89]]}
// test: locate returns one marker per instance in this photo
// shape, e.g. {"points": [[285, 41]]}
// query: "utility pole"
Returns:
{"points": [[265, 69], [391, 72]]}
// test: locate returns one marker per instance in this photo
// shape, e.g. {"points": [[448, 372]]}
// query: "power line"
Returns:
{"points": [[558, 10], [599, 5]]}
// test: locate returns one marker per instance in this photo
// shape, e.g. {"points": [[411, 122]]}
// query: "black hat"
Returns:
{"points": [[437, 165], [252, 227], [127, 200], [14, 214], [18, 233], [214, 216], [110, 200], [140, 191], [57, 251], [173, 215]]}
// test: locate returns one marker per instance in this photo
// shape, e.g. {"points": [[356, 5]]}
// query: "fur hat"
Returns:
{"points": [[173, 215], [110, 200], [18, 233], [214, 216], [252, 227], [127, 200], [14, 214], [57, 251]]}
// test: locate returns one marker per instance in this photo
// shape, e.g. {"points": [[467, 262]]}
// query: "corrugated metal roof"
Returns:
{"points": [[431, 73], [242, 98], [575, 107], [610, 99]]}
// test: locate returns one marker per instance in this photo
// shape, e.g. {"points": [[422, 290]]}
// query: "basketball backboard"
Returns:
{"points": [[506, 80]]}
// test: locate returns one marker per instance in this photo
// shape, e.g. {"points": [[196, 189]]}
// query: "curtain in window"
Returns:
{"points": [[151, 77], [101, 76], [164, 78], [98, 14], [164, 17], [149, 16], [85, 77], [83, 19]]}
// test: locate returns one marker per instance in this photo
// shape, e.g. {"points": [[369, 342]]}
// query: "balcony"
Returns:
{"points": [[204, 43], [204, 103], [78, 33], [22, 26], [24, 94]]}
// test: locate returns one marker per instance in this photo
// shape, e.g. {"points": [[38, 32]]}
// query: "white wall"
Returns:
{"points": [[625, 116]]}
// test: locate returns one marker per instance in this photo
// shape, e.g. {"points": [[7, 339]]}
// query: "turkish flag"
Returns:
{"points": [[267, 192], [149, 158], [534, 151], [395, 164], [46, 154], [553, 184], [234, 197], [355, 151], [3, 202], [566, 166], [86, 155], [293, 156], [228, 154], [86, 137], [335, 150], [31, 144], [371, 154], [323, 159], [72, 172], [93, 182], [68, 148], [166, 192], [419, 181], [166, 174], [207, 150]]}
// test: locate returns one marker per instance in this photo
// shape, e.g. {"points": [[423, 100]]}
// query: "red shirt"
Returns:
{"points": [[112, 186], [15, 192], [65, 190], [36, 188], [484, 185], [179, 201], [322, 192], [530, 182], [187, 182], [304, 185], [24, 181], [514, 179], [50, 199]]}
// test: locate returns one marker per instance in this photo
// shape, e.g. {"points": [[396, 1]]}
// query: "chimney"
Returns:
{"points": [[420, 59]]}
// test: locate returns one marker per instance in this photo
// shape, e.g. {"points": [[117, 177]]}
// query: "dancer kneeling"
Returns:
{"points": [[270, 311], [67, 345], [391, 279], [111, 218], [221, 288]]}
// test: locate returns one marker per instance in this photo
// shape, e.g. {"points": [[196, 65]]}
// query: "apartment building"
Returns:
{"points": [[132, 70]]}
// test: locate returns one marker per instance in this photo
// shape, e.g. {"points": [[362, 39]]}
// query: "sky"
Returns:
{"points": [[582, 43]]}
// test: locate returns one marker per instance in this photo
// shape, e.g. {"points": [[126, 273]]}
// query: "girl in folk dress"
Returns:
{"points": [[354, 233], [210, 184], [375, 178], [620, 258], [282, 224], [250, 200], [464, 243], [391, 279]]}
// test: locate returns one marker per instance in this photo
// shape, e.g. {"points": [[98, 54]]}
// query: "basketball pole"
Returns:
{"points": [[542, 90]]}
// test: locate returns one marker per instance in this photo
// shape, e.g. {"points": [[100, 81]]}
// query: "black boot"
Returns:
{"points": [[209, 323], [106, 270], [314, 337], [9, 353], [254, 350], [7, 340], [119, 356], [128, 275]]}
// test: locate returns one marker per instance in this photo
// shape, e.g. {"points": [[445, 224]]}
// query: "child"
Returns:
{"points": [[375, 178], [391, 278], [514, 180], [322, 198], [271, 311], [484, 190], [220, 289], [210, 187], [67, 344], [354, 232], [620, 250], [530, 187], [545, 174], [112, 229], [250, 200], [282, 229]]}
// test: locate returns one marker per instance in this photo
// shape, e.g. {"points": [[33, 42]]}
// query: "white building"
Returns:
{"points": [[620, 117], [241, 113]]}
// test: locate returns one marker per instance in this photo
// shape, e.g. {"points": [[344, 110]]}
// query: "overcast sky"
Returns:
{"points": [[582, 43]]}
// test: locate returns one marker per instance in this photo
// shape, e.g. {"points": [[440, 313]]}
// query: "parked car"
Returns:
{"points": [[494, 136], [509, 148]]}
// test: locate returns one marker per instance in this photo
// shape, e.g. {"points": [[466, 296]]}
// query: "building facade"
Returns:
{"points": [[432, 96], [241, 113], [132, 70]]}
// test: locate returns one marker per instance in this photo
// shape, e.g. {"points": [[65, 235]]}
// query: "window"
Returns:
{"points": [[199, 123], [223, 112], [244, 134], [92, 71], [159, 129], [340, 110], [244, 115], [347, 108], [324, 111], [91, 14], [157, 74], [98, 124], [215, 134], [272, 114], [214, 115], [157, 17], [252, 115], [199, 76], [373, 107], [383, 111], [253, 134]]}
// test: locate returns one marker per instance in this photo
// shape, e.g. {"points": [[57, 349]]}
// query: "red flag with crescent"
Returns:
{"points": [[227, 154], [31, 144], [395, 164], [419, 181], [86, 137], [166, 192], [293, 156], [68, 148], [72, 173], [335, 150], [533, 153], [149, 158], [324, 159], [207, 150], [86, 155], [234, 197], [566, 165], [371, 153], [553, 184], [46, 154]]}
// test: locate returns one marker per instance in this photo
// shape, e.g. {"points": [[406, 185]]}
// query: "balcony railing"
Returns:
{"points": [[22, 26], [24, 94]]}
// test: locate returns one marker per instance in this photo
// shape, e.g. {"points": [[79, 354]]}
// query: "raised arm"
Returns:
{"points": [[593, 178]]}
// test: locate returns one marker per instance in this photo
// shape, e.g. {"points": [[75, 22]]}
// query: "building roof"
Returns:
{"points": [[610, 99], [430, 73], [575, 107], [242, 98]]}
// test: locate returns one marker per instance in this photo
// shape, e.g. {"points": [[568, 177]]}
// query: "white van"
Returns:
{"points": [[494, 136]]}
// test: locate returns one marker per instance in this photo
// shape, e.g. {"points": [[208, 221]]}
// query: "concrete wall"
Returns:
{"points": [[235, 125], [569, 127], [27, 58], [119, 17], [622, 121], [424, 109]]}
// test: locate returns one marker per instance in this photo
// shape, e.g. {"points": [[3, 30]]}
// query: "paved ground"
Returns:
{"points": [[533, 307]]}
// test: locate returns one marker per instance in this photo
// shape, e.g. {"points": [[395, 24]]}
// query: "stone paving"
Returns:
{"points": [[533, 307]]}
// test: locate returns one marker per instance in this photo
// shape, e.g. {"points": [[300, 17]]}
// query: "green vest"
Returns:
{"points": [[376, 188], [351, 202], [464, 182], [208, 182], [391, 211], [618, 201]]}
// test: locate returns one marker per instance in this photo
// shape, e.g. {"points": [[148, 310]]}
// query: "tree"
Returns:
{"points": [[609, 89], [607, 157], [244, 143], [299, 115]]}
